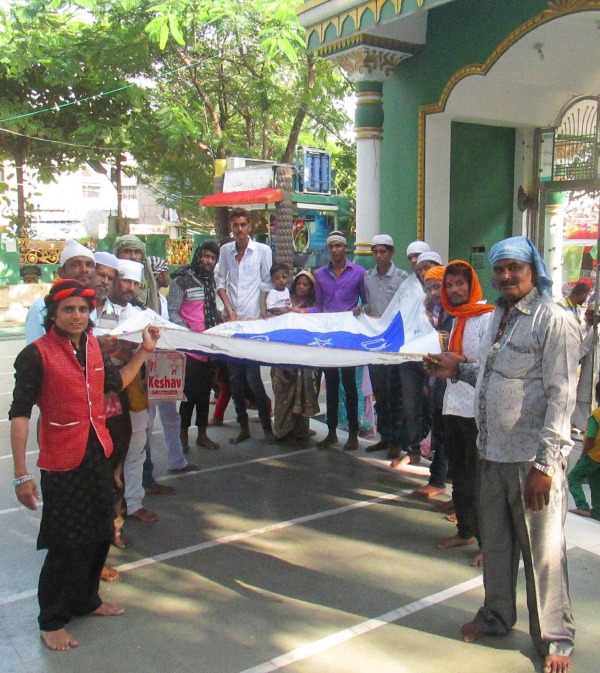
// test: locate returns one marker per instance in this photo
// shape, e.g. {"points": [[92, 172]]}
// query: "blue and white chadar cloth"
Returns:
{"points": [[402, 334]]}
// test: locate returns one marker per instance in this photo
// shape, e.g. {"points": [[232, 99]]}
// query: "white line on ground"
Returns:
{"points": [[181, 475], [234, 537], [361, 629]]}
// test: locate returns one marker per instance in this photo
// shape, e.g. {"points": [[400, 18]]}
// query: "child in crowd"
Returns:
{"points": [[588, 466], [278, 299]]}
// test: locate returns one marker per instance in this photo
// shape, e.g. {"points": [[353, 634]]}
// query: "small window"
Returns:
{"points": [[91, 191], [129, 193]]}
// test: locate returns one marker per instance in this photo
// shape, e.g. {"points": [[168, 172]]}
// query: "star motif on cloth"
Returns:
{"points": [[320, 342]]}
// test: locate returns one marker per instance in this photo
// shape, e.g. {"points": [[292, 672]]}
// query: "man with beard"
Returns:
{"points": [[107, 269], [192, 303], [118, 421], [525, 394], [132, 248], [462, 299], [145, 296], [123, 293]]}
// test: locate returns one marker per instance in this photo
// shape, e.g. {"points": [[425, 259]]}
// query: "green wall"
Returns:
{"points": [[459, 33], [481, 191], [10, 269]]}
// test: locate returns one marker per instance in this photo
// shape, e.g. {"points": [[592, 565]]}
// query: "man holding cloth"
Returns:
{"points": [[340, 284], [462, 299], [381, 285], [244, 273], [525, 394]]}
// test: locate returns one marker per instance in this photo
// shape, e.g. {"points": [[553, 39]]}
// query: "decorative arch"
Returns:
{"points": [[348, 26], [367, 19], [313, 40], [555, 10], [388, 10], [330, 33]]}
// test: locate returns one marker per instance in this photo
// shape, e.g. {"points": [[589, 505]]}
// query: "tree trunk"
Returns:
{"points": [[119, 188], [265, 134], [311, 75], [22, 228], [221, 214]]}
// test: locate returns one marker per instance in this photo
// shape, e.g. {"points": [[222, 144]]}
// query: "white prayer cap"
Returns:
{"points": [[417, 247], [130, 270], [74, 249], [382, 239], [107, 259], [429, 257]]}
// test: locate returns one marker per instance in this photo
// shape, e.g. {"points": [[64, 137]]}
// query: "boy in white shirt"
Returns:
{"points": [[278, 299]]}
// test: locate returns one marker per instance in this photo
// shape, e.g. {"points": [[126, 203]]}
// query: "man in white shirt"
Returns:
{"points": [[244, 273]]}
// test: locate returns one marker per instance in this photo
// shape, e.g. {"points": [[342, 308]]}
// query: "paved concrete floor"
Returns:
{"points": [[278, 558]]}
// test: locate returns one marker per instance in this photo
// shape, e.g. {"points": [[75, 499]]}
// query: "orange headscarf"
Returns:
{"points": [[469, 310], [435, 273]]}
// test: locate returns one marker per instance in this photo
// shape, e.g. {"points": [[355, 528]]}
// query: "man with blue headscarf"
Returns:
{"points": [[525, 394]]}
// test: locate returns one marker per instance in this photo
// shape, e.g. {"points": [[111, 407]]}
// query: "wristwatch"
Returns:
{"points": [[548, 470]]}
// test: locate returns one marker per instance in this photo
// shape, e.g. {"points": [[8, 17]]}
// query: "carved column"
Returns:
{"points": [[368, 66], [554, 222], [285, 216]]}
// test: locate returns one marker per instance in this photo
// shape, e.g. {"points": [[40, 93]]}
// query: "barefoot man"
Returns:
{"points": [[66, 375], [462, 299], [244, 276], [525, 395], [340, 285]]}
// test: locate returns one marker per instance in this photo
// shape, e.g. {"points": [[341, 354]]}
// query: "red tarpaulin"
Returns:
{"points": [[248, 197]]}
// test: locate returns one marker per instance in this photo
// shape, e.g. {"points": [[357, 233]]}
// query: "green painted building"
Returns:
{"points": [[473, 117]]}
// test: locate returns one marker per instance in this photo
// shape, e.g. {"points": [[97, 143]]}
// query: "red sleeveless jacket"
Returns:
{"points": [[69, 402]]}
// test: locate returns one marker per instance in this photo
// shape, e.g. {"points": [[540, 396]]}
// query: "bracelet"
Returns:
{"points": [[22, 480], [456, 379]]}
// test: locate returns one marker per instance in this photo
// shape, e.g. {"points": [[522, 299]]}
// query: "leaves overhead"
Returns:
{"points": [[176, 84]]}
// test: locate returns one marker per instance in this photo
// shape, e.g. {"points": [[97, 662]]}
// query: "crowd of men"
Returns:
{"points": [[497, 400]]}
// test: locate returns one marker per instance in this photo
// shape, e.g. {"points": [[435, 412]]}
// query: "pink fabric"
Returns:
{"points": [[193, 314]]}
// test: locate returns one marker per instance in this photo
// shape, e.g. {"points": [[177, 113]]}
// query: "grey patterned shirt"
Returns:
{"points": [[380, 290], [525, 390]]}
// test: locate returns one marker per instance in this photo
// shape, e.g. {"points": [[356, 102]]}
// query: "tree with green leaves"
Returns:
{"points": [[176, 84], [65, 94]]}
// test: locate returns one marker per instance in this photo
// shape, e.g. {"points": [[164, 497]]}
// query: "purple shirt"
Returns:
{"points": [[334, 295]]}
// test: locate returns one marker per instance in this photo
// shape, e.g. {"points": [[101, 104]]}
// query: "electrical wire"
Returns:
{"points": [[56, 107], [59, 142]]}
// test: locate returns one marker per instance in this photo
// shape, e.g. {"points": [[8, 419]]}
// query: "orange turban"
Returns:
{"points": [[435, 273]]}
